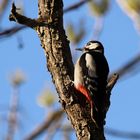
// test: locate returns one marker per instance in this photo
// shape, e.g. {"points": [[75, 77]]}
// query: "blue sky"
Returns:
{"points": [[121, 42]]}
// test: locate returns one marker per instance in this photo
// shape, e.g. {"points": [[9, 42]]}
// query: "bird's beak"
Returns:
{"points": [[79, 49]]}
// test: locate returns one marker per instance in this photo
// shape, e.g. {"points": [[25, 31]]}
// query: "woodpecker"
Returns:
{"points": [[90, 77]]}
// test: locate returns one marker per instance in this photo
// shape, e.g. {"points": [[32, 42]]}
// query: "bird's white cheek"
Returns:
{"points": [[93, 46]]}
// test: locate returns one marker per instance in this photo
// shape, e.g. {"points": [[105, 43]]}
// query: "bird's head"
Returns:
{"points": [[92, 46]]}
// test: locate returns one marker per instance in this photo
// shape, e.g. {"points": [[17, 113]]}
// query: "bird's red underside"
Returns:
{"points": [[84, 91]]}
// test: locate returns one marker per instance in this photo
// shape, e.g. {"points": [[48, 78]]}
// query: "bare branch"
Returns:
{"points": [[75, 6], [111, 132], [11, 31], [12, 116], [111, 82], [122, 134], [53, 117], [14, 16], [129, 67], [3, 6], [98, 27]]}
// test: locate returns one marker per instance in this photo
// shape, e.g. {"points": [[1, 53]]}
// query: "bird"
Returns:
{"points": [[90, 78]]}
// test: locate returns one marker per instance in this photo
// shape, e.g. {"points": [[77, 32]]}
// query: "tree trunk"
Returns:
{"points": [[60, 65]]}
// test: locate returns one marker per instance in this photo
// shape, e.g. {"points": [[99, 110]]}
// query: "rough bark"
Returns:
{"points": [[49, 27]]}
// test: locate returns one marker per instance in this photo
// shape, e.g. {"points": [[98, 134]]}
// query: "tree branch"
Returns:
{"points": [[75, 6], [3, 6], [11, 31], [53, 118], [122, 134], [111, 82], [130, 67], [14, 16]]}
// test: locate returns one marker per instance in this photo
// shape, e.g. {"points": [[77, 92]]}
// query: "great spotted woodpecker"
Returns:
{"points": [[90, 77]]}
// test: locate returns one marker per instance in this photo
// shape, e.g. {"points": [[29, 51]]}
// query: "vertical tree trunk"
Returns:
{"points": [[59, 63]]}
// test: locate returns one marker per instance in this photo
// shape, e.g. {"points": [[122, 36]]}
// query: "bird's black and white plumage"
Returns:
{"points": [[90, 74]]}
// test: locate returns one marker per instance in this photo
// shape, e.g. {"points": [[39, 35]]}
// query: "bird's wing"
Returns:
{"points": [[91, 78], [89, 72]]}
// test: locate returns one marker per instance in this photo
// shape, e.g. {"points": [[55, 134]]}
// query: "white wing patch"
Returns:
{"points": [[90, 64]]}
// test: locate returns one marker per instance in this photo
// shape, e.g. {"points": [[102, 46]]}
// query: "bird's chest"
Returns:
{"points": [[78, 75]]}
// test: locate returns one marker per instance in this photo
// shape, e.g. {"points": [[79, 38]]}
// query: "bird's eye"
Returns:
{"points": [[89, 43]]}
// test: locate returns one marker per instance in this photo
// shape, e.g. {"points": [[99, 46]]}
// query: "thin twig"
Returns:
{"points": [[54, 117], [12, 118], [98, 27], [11, 31], [75, 6], [3, 7], [111, 132], [129, 67], [122, 134]]}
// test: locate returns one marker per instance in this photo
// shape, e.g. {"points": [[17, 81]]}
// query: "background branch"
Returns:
{"points": [[122, 134], [75, 6], [131, 67], [3, 6], [11, 31], [50, 120]]}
